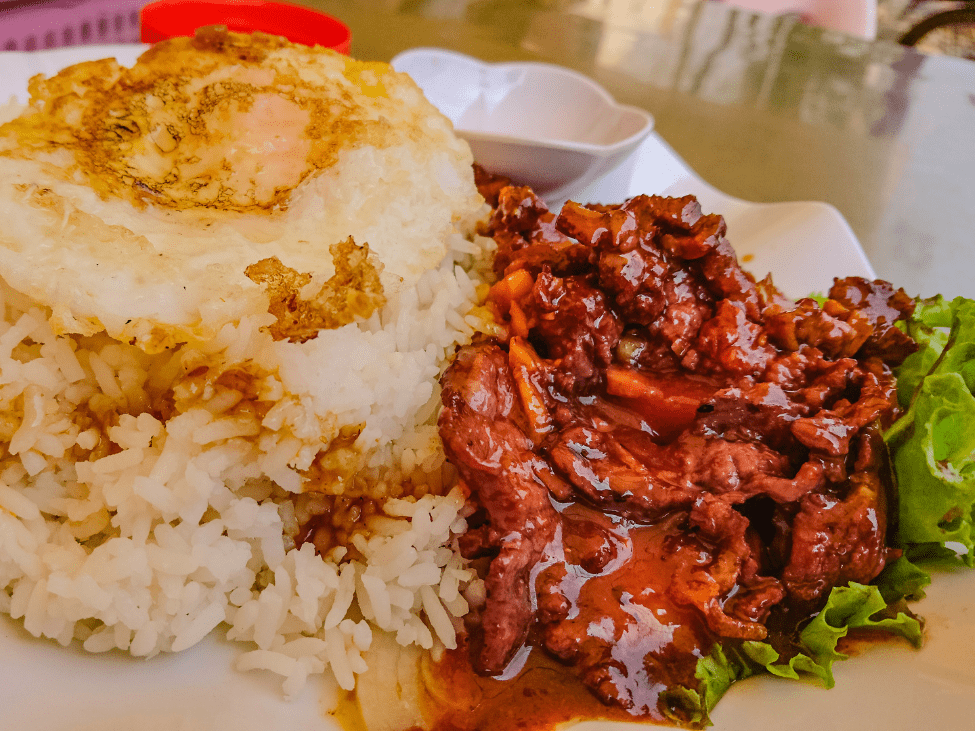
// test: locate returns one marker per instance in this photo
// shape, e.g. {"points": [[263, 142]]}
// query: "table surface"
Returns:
{"points": [[762, 107]]}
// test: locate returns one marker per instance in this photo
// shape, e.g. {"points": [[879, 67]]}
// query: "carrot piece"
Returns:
{"points": [[524, 361], [667, 403], [630, 384], [522, 354], [520, 283], [512, 288], [519, 323]]}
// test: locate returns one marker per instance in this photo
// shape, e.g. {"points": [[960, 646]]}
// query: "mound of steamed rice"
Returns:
{"points": [[160, 450], [123, 530]]}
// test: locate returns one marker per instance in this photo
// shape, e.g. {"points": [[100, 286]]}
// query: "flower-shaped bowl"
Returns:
{"points": [[541, 125]]}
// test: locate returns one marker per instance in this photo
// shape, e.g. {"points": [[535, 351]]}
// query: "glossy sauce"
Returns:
{"points": [[627, 633]]}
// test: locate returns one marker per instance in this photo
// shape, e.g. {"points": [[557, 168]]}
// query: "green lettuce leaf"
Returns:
{"points": [[929, 327], [933, 443], [945, 332], [935, 466], [849, 607], [932, 555], [715, 674], [903, 579]]}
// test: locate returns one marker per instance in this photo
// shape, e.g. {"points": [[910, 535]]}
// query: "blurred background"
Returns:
{"points": [[30, 25], [934, 26], [764, 106]]}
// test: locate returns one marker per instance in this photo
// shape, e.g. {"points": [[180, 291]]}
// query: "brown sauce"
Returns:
{"points": [[541, 696], [630, 639]]}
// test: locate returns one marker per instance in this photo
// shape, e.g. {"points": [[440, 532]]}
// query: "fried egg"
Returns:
{"points": [[133, 200]]}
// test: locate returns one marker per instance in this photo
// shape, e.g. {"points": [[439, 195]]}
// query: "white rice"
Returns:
{"points": [[141, 506]]}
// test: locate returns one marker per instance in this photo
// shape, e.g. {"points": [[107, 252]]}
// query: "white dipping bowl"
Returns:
{"points": [[541, 125]]}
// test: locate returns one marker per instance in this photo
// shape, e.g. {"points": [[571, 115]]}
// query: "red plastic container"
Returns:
{"points": [[173, 18]]}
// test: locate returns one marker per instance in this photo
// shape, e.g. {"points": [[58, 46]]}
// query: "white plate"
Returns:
{"points": [[44, 687]]}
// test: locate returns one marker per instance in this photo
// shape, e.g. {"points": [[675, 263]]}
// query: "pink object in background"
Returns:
{"points": [[856, 17], [30, 25]]}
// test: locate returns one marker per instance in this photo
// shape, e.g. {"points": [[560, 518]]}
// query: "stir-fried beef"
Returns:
{"points": [[481, 429], [576, 326], [660, 442], [840, 537]]}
